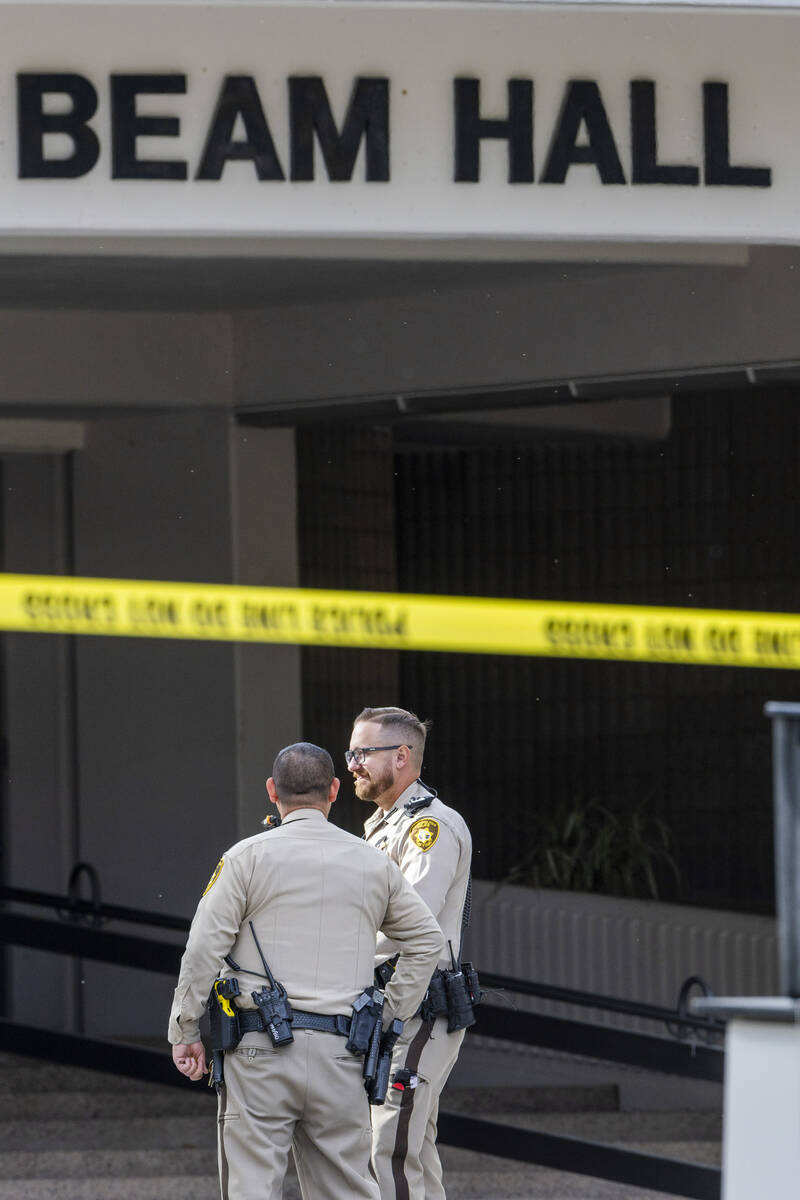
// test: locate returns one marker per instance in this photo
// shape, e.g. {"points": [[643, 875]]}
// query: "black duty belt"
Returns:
{"points": [[250, 1021]]}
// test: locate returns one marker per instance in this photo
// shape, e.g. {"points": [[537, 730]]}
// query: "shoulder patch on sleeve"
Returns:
{"points": [[423, 833], [214, 877]]}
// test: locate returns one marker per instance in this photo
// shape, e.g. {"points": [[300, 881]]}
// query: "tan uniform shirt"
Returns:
{"points": [[317, 897], [433, 848]]}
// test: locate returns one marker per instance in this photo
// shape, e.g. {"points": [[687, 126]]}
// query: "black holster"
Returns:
{"points": [[276, 1013], [377, 1089], [224, 1030], [367, 1038], [452, 994], [459, 1005], [366, 1017], [385, 971]]}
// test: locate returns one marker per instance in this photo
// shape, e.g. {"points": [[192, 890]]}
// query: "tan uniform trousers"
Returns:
{"points": [[309, 1097], [404, 1154]]}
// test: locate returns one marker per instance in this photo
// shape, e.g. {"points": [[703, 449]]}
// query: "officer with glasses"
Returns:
{"points": [[431, 844]]}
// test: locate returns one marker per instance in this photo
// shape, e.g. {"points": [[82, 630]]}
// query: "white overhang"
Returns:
{"points": [[354, 127]]}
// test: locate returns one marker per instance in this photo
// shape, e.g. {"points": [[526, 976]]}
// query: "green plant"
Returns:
{"points": [[584, 846]]}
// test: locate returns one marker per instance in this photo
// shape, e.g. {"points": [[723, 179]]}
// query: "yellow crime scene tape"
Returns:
{"points": [[299, 616]]}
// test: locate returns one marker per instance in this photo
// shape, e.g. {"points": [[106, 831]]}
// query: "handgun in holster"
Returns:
{"points": [[366, 1026], [377, 1089], [225, 1033], [366, 1017]]}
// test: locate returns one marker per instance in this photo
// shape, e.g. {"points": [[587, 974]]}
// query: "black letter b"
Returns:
{"points": [[33, 123]]}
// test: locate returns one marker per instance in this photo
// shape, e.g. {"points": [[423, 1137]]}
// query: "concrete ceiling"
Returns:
{"points": [[441, 350], [213, 283]]}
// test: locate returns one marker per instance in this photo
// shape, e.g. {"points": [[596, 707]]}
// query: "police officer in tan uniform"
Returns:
{"points": [[431, 844], [315, 898]]}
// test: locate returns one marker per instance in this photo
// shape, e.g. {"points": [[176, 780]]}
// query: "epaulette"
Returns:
{"points": [[271, 822]]}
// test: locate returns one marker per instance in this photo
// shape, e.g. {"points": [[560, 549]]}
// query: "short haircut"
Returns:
{"points": [[406, 725], [303, 770]]}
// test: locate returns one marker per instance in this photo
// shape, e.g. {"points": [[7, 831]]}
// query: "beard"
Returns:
{"points": [[370, 787]]}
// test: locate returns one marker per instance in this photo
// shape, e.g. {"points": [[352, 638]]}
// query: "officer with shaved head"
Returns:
{"points": [[303, 903]]}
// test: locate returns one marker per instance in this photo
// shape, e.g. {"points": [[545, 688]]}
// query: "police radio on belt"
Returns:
{"points": [[273, 1004], [275, 1016]]}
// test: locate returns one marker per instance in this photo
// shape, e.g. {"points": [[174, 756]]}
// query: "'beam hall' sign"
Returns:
{"points": [[58, 138]]}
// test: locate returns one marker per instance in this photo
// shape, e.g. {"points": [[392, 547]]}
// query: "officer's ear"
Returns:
{"points": [[403, 758], [272, 791], [333, 790]]}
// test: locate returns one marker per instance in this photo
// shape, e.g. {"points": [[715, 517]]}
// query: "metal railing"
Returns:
{"points": [[77, 931]]}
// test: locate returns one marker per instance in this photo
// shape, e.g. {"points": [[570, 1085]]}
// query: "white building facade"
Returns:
{"points": [[221, 220]]}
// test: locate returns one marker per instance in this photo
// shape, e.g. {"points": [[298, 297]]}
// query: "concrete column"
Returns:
{"points": [[156, 719], [267, 678], [40, 821]]}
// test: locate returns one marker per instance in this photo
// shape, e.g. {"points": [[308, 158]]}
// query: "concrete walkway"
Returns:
{"points": [[82, 1135]]}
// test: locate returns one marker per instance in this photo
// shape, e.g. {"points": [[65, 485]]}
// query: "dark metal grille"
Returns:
{"points": [[347, 540], [707, 518]]}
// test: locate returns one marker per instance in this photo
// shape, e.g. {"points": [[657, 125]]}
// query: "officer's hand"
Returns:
{"points": [[190, 1059]]}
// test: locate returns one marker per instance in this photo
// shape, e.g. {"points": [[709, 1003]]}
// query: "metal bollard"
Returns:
{"points": [[786, 791]]}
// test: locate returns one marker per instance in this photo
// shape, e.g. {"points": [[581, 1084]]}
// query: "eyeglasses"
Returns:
{"points": [[356, 757]]}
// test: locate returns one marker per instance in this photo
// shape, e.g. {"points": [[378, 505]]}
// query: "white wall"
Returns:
{"points": [[640, 950]]}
